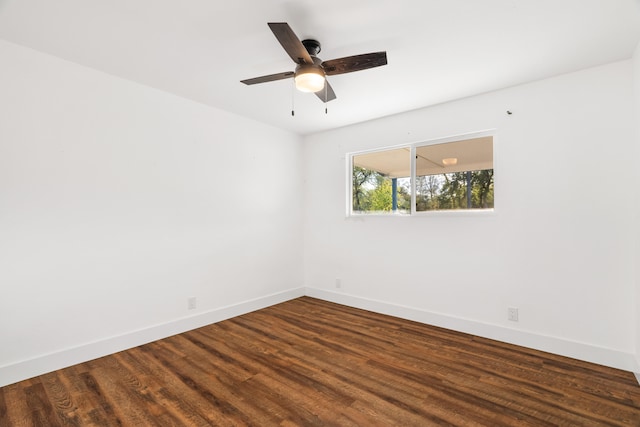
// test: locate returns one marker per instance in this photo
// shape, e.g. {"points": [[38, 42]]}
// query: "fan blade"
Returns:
{"points": [[269, 78], [290, 42], [326, 94], [349, 64]]}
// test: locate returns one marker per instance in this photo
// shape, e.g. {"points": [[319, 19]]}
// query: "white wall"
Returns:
{"points": [[118, 202], [557, 247], [636, 155]]}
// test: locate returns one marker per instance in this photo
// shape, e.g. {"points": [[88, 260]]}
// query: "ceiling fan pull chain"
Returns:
{"points": [[293, 95], [325, 97]]}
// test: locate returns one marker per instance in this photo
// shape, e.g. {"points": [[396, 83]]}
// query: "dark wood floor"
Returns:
{"points": [[308, 362]]}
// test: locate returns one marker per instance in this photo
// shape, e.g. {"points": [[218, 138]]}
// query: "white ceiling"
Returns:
{"points": [[438, 50]]}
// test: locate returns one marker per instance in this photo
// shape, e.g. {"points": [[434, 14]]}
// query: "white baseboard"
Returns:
{"points": [[22, 370], [581, 351]]}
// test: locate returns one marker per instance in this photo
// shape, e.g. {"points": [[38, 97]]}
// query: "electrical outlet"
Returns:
{"points": [[512, 314], [338, 283], [191, 303]]}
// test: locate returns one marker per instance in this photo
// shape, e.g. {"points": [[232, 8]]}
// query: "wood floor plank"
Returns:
{"points": [[167, 391], [309, 362], [4, 417], [186, 395], [42, 412], [92, 407], [18, 412], [61, 400]]}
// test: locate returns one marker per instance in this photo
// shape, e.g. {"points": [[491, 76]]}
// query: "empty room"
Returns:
{"points": [[279, 213]]}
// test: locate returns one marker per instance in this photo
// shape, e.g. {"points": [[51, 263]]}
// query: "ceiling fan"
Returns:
{"points": [[310, 73]]}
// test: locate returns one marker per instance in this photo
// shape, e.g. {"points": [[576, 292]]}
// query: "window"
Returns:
{"points": [[452, 175]]}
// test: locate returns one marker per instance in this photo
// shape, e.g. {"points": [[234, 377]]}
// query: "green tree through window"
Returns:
{"points": [[449, 191]]}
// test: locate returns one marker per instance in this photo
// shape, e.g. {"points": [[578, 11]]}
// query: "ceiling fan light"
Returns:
{"points": [[309, 80]]}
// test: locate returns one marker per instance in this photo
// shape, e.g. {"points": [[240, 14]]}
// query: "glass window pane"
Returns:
{"points": [[455, 175], [380, 182]]}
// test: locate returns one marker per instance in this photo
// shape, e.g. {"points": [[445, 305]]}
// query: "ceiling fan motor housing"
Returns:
{"points": [[309, 70], [312, 46], [316, 67]]}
